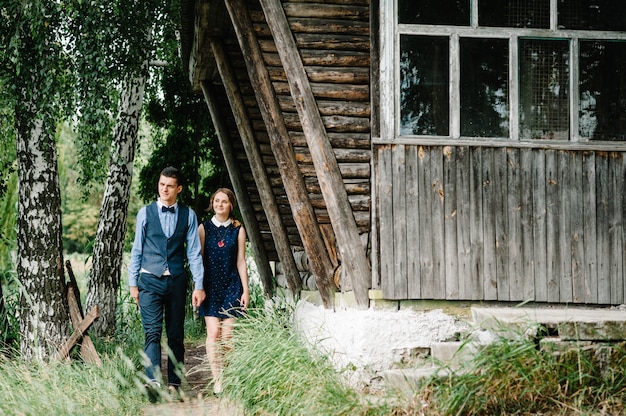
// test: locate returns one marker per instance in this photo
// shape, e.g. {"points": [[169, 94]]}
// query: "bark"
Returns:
{"points": [[104, 279], [42, 313]]}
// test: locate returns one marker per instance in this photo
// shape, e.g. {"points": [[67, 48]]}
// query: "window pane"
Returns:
{"points": [[602, 90], [424, 75], [544, 89], [484, 87], [592, 14], [434, 12], [514, 13]]}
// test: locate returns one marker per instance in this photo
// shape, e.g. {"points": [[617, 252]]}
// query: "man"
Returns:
{"points": [[165, 232]]}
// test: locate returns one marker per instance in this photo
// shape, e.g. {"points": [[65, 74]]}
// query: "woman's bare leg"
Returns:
{"points": [[213, 329]]}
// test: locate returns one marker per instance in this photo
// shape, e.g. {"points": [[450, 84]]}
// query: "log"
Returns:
{"points": [[354, 260], [236, 178], [311, 25], [324, 58], [281, 240], [295, 188]]}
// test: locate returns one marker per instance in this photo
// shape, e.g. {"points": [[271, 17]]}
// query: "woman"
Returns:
{"points": [[223, 242]]}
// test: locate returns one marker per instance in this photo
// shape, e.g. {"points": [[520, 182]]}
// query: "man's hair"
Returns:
{"points": [[172, 172]]}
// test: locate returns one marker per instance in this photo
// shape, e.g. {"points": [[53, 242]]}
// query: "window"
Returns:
{"points": [[524, 70]]}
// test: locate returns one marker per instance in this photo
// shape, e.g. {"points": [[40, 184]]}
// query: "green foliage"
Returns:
{"points": [[112, 39], [7, 149], [9, 327], [517, 377], [8, 216], [271, 371], [183, 132]]}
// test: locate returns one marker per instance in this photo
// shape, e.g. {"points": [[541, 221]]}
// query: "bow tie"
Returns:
{"points": [[166, 209]]}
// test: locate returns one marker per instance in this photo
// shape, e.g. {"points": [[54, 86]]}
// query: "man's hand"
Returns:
{"points": [[197, 297], [134, 293]]}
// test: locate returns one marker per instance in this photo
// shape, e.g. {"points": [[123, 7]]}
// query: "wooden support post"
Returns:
{"points": [[79, 332], [354, 260], [80, 324], [301, 208], [236, 178]]}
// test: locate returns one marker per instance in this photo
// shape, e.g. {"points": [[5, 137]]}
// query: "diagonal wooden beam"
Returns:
{"points": [[87, 349], [236, 177], [354, 261], [79, 332], [301, 208]]}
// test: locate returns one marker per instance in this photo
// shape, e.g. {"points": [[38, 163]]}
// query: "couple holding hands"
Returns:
{"points": [[167, 232]]}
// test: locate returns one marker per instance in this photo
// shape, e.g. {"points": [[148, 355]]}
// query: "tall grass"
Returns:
{"points": [[518, 377], [73, 388], [59, 388], [271, 371]]}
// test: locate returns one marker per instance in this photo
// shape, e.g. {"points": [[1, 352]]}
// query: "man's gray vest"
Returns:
{"points": [[159, 252]]}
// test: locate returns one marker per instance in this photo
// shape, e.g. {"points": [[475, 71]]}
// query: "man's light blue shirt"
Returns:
{"points": [[168, 224]]}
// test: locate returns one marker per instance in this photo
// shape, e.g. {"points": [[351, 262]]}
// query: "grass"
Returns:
{"points": [[32, 388], [271, 371], [520, 377]]}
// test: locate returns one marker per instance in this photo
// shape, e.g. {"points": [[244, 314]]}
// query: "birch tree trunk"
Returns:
{"points": [[104, 279], [42, 313]]}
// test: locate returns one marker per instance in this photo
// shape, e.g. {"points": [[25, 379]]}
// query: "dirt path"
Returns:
{"points": [[197, 398]]}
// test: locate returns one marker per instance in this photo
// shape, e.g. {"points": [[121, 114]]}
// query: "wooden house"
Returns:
{"points": [[448, 150]]}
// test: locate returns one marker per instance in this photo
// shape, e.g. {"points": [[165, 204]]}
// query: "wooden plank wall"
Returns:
{"points": [[505, 224]]}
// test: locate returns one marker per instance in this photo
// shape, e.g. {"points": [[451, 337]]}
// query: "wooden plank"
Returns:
{"points": [[384, 202], [595, 195], [425, 224], [526, 219], [605, 192], [87, 348], [354, 261], [538, 246], [374, 228], [616, 230], [412, 224], [474, 280], [565, 217], [438, 223], [514, 217], [79, 332], [553, 212], [463, 219], [400, 276], [302, 211], [577, 233], [450, 224], [501, 223], [489, 278], [262, 183]]}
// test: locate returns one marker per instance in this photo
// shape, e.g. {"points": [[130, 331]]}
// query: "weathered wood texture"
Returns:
{"points": [[355, 264], [333, 41], [505, 224]]}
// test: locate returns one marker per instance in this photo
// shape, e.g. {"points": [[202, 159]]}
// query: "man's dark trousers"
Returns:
{"points": [[160, 297]]}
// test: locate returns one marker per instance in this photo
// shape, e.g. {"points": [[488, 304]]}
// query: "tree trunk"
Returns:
{"points": [[104, 279], [42, 314]]}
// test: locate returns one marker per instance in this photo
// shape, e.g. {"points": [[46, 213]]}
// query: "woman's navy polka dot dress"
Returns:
{"points": [[222, 283]]}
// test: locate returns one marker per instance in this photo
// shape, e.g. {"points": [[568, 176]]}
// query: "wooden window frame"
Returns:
{"points": [[390, 32]]}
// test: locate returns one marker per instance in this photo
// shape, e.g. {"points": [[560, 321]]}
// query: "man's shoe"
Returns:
{"points": [[153, 391], [175, 392]]}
